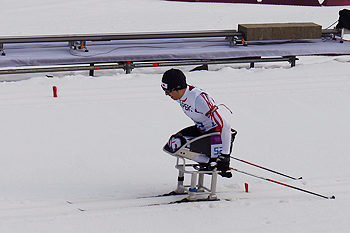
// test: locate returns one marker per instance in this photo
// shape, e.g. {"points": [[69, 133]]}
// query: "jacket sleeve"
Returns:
{"points": [[207, 105]]}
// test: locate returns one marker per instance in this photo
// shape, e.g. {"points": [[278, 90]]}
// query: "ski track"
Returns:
{"points": [[263, 193]]}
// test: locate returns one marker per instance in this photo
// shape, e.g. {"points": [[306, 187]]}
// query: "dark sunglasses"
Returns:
{"points": [[168, 91]]}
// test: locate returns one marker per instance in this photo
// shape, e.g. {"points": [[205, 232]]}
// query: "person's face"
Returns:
{"points": [[175, 94]]}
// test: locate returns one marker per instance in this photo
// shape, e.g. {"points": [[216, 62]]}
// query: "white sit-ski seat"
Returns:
{"points": [[188, 151]]}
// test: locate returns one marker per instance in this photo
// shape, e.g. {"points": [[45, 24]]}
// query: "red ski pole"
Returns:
{"points": [[280, 183], [267, 169]]}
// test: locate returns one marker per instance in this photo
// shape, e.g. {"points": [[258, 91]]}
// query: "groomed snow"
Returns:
{"points": [[99, 144]]}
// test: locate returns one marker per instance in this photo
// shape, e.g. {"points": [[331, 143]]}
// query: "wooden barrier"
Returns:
{"points": [[280, 31]]}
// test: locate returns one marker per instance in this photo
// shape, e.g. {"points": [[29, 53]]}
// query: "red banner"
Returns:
{"points": [[336, 3], [280, 2]]}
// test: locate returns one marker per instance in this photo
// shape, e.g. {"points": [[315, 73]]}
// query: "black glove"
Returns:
{"points": [[223, 165], [223, 162]]}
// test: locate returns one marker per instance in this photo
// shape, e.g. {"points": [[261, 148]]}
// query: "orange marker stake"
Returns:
{"points": [[246, 187]]}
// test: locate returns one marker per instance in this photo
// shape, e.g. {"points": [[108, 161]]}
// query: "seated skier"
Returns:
{"points": [[203, 110]]}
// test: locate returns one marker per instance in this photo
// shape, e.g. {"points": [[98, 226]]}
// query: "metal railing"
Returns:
{"points": [[121, 36], [82, 38], [129, 66]]}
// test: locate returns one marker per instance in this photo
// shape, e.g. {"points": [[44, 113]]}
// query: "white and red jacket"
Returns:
{"points": [[203, 110]]}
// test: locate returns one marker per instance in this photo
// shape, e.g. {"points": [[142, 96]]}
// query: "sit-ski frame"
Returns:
{"points": [[195, 187], [188, 168]]}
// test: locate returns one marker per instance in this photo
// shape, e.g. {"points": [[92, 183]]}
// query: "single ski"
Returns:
{"points": [[163, 199], [111, 199], [123, 203], [187, 200], [172, 193]]}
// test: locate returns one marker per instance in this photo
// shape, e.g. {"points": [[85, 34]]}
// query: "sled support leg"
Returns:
{"points": [[180, 181], [201, 182], [193, 188], [214, 179]]}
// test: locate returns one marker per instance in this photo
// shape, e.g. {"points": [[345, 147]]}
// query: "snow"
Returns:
{"points": [[99, 144]]}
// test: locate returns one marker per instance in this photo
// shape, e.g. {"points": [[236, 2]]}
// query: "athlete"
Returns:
{"points": [[203, 110]]}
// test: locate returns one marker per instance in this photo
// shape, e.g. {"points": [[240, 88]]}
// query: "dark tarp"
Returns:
{"points": [[274, 2], [280, 2], [344, 19]]}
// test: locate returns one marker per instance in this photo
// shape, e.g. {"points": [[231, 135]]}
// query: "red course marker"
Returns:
{"points": [[54, 88]]}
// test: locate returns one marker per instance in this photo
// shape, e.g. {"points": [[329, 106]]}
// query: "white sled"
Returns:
{"points": [[188, 151]]}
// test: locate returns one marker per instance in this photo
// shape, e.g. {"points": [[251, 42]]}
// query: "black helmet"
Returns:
{"points": [[173, 79]]}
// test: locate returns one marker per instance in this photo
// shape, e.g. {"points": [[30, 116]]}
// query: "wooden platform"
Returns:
{"points": [[280, 31]]}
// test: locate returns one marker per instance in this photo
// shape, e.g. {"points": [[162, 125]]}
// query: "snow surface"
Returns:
{"points": [[99, 144]]}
